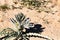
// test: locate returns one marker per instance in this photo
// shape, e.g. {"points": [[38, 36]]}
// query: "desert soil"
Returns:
{"points": [[52, 28]]}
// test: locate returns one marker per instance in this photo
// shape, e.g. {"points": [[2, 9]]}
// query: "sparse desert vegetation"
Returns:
{"points": [[44, 12]]}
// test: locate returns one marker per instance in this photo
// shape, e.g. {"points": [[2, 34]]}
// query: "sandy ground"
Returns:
{"points": [[52, 29]]}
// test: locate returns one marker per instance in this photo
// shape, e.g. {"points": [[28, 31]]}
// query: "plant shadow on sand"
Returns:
{"points": [[36, 29]]}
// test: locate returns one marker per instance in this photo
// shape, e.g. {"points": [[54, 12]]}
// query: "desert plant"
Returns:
{"points": [[21, 22]]}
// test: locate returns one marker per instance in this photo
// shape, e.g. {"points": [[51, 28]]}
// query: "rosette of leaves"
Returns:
{"points": [[21, 22]]}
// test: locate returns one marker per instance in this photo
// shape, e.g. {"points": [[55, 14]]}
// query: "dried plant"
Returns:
{"points": [[39, 6], [21, 22], [4, 7]]}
